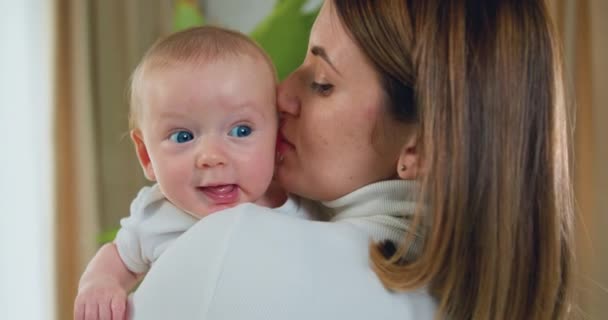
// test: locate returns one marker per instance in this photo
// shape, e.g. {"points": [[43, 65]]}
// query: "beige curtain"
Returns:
{"points": [[583, 25], [596, 216], [98, 45], [121, 32], [76, 187]]}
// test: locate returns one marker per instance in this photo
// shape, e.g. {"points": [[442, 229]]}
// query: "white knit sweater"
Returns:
{"points": [[252, 263], [383, 210]]}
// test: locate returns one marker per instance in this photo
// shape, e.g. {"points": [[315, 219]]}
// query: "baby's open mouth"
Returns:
{"points": [[221, 194]]}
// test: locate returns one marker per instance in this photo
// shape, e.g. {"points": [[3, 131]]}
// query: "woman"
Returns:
{"points": [[466, 99]]}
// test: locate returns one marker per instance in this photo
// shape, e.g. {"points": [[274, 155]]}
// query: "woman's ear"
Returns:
{"points": [[408, 162], [142, 154]]}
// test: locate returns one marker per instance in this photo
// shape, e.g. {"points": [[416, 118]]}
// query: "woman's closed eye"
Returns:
{"points": [[323, 89], [181, 136], [240, 131]]}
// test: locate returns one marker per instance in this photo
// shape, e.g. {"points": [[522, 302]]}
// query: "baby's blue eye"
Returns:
{"points": [[181, 136], [240, 131]]}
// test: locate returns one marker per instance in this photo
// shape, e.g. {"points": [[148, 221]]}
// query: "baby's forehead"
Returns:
{"points": [[226, 84], [243, 68], [244, 55]]}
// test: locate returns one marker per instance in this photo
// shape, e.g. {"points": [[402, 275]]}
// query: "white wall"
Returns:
{"points": [[236, 14], [26, 162], [243, 15]]}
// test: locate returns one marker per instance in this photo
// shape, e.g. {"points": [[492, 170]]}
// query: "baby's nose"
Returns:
{"points": [[210, 155], [210, 160]]}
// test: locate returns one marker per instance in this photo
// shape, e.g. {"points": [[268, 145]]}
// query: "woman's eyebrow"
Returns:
{"points": [[320, 52]]}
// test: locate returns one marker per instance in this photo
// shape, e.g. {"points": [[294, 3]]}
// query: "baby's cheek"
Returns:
{"points": [[174, 176], [261, 172]]}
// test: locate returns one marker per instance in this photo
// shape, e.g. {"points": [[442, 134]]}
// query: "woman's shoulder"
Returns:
{"points": [[252, 262]]}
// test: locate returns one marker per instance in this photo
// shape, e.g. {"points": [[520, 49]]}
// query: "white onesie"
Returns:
{"points": [[154, 223]]}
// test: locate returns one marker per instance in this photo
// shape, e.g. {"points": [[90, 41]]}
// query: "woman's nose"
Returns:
{"points": [[288, 102]]}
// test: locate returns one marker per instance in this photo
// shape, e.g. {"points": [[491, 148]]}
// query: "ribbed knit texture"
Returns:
{"points": [[384, 210]]}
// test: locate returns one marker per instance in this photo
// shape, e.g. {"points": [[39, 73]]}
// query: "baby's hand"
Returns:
{"points": [[101, 299]]}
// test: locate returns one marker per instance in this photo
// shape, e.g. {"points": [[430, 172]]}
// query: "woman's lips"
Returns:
{"points": [[282, 144], [222, 194]]}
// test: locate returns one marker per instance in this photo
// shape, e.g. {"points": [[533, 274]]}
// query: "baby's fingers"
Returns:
{"points": [[79, 310], [90, 311], [104, 311], [119, 307]]}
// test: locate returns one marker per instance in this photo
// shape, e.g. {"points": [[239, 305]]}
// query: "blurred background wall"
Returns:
{"points": [[27, 253], [64, 79], [583, 27]]}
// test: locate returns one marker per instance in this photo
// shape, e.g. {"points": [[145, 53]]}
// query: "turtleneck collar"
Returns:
{"points": [[396, 198], [383, 210]]}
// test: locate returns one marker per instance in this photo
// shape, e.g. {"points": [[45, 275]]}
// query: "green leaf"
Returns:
{"points": [[284, 34], [186, 15], [107, 236]]}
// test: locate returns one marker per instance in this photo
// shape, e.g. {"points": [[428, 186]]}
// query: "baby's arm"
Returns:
{"points": [[104, 286]]}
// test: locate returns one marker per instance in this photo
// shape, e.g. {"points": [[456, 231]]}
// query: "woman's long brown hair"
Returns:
{"points": [[483, 81]]}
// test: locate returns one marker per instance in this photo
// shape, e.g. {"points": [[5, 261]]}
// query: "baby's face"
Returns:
{"points": [[210, 132]]}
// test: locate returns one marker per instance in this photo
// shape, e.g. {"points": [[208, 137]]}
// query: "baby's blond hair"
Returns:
{"points": [[197, 46]]}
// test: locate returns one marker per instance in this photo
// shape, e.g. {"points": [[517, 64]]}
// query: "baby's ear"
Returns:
{"points": [[142, 154]]}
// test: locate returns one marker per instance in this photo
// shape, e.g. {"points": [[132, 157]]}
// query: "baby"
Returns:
{"points": [[204, 126]]}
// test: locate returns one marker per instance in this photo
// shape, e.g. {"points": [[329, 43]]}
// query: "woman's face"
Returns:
{"points": [[335, 134]]}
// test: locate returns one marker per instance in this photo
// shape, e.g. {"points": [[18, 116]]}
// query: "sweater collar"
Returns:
{"points": [[395, 198]]}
